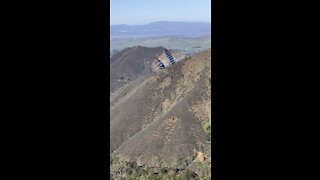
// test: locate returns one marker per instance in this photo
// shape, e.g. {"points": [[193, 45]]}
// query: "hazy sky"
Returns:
{"points": [[146, 11]]}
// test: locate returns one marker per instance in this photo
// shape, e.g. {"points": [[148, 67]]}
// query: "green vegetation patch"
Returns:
{"points": [[207, 130]]}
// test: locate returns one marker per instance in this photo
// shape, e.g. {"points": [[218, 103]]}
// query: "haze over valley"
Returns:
{"points": [[190, 36], [161, 28]]}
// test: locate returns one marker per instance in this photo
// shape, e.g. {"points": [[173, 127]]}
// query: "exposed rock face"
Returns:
{"points": [[159, 118]]}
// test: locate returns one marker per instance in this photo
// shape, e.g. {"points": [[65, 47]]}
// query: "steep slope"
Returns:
{"points": [[129, 63], [159, 119], [132, 61]]}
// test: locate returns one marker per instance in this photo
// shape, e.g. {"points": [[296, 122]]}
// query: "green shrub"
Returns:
{"points": [[207, 130]]}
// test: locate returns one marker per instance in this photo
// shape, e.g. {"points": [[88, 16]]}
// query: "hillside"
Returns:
{"points": [[130, 63], [162, 120]]}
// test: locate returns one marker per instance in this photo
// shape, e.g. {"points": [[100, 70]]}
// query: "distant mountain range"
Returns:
{"points": [[161, 28]]}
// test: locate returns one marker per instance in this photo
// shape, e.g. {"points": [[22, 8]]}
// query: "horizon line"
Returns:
{"points": [[160, 21]]}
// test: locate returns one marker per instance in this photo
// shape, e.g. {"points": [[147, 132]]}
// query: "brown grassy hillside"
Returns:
{"points": [[161, 118], [128, 63]]}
